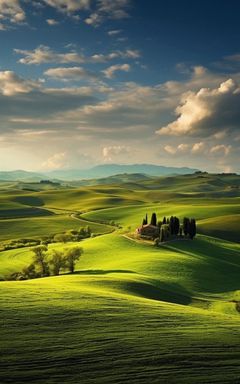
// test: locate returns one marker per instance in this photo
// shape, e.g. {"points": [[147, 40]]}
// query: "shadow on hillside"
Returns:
{"points": [[214, 264], [153, 292], [101, 271], [33, 201]]}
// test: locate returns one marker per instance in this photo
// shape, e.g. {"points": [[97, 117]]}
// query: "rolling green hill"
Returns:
{"points": [[132, 312], [152, 311]]}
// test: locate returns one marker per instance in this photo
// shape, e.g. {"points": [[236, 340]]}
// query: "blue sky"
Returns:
{"points": [[84, 82]]}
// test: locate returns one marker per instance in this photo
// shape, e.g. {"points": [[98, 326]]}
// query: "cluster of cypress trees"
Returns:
{"points": [[172, 226], [189, 227]]}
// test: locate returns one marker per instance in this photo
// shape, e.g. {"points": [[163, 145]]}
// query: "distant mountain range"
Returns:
{"points": [[99, 171]]}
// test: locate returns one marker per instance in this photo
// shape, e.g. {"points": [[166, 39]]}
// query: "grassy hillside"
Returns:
{"points": [[152, 311], [132, 312]]}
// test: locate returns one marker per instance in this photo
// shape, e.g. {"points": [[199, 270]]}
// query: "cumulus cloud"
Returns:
{"points": [[11, 84], [206, 111], [108, 9], [111, 152], [221, 149], [198, 147], [72, 73], [170, 149], [98, 11], [44, 54], [181, 148], [127, 54], [52, 22], [69, 6], [110, 72], [11, 11], [56, 161]]}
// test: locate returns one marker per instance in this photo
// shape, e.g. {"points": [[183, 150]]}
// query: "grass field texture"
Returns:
{"points": [[132, 312]]}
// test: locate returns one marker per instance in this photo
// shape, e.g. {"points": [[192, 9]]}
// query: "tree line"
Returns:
{"points": [[45, 263], [71, 235], [172, 227]]}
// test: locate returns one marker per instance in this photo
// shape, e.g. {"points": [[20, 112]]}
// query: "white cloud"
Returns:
{"points": [[206, 110], [98, 11], [110, 72], [57, 161], [108, 9], [111, 152], [72, 73], [11, 11], [170, 149], [114, 32], [69, 6], [11, 84], [221, 149], [198, 147], [182, 148], [102, 58], [94, 19], [52, 22], [114, 9], [44, 54]]}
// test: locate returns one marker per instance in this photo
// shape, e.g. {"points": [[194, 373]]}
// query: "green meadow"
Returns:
{"points": [[132, 312]]}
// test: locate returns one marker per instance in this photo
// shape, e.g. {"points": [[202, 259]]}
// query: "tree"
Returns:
{"points": [[176, 225], [146, 219], [181, 231], [164, 220], [57, 260], [88, 231], [40, 259], [172, 225], [161, 237], [186, 226], [30, 272], [72, 256], [82, 233], [154, 219], [62, 238], [192, 228]]}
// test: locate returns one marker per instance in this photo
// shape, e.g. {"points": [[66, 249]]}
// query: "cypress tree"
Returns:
{"points": [[172, 225], [186, 226], [176, 225], [181, 231], [192, 228], [154, 219]]}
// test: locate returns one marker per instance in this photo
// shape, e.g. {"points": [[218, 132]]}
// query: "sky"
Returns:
{"points": [[87, 82]]}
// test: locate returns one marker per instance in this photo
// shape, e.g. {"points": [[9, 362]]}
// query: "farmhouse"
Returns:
{"points": [[148, 230], [167, 229]]}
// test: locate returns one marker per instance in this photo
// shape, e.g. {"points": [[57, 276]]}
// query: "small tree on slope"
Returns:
{"points": [[40, 259], [72, 256]]}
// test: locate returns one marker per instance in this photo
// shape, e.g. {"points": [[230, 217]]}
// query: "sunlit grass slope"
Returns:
{"points": [[42, 226], [227, 227], [131, 313], [206, 214]]}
